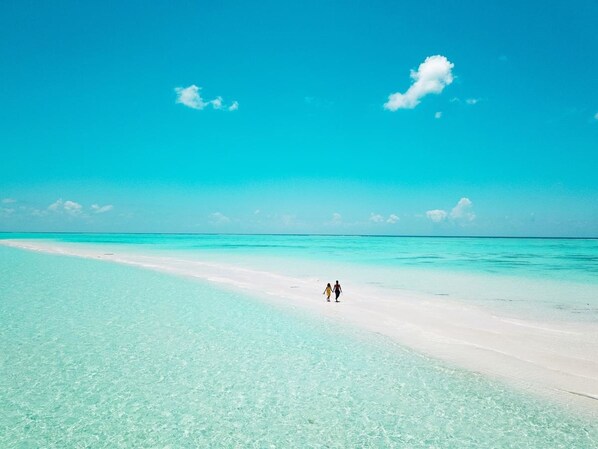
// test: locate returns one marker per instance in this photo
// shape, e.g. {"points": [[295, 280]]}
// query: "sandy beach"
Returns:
{"points": [[555, 360]]}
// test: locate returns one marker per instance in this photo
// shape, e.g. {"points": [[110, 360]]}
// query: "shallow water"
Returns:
{"points": [[535, 278], [94, 354]]}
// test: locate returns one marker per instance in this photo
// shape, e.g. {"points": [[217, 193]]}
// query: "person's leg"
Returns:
{"points": [[337, 295]]}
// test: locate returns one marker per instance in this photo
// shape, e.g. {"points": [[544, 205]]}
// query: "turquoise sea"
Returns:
{"points": [[95, 354], [537, 278]]}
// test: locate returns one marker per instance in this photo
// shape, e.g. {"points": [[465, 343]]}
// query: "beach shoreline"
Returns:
{"points": [[557, 361]]}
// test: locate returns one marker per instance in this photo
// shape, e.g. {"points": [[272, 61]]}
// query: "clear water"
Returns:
{"points": [[94, 354], [562, 259], [535, 278]]}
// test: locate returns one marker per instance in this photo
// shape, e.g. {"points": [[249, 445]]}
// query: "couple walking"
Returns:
{"points": [[337, 291]]}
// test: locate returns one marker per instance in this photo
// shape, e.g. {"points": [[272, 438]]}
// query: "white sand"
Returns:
{"points": [[557, 360]]}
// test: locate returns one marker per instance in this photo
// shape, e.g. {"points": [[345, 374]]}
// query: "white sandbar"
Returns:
{"points": [[557, 360]]}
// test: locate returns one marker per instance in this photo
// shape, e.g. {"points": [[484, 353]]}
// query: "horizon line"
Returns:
{"points": [[304, 235]]}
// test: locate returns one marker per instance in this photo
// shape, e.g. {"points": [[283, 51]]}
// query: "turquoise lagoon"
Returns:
{"points": [[554, 279], [95, 354]]}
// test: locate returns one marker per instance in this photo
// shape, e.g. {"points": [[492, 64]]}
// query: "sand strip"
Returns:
{"points": [[557, 360]]}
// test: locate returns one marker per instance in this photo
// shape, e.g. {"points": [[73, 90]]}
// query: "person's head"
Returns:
{"points": [[337, 281], [328, 284]]}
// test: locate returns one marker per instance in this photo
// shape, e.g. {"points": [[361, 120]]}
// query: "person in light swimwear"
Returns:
{"points": [[327, 292]]}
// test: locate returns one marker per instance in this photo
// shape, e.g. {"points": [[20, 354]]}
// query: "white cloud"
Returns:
{"points": [[55, 206], [256, 212], [376, 218], [217, 103], [337, 218], [97, 209], [191, 97], [436, 215], [8, 201], [392, 219], [70, 207], [219, 218], [438, 115], [462, 211], [596, 116], [432, 76], [472, 101]]}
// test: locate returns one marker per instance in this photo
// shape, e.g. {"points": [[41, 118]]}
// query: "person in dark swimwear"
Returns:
{"points": [[337, 290]]}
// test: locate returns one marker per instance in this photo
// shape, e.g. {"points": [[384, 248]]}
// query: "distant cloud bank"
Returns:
{"points": [[191, 97], [392, 219], [69, 207], [72, 208], [97, 209], [436, 215], [377, 218], [462, 212], [218, 218], [431, 77]]}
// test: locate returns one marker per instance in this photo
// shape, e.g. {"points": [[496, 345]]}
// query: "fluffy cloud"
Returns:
{"points": [[191, 97], [217, 103], [392, 219], [8, 201], [70, 207], [337, 218], [219, 218], [97, 209], [432, 76], [438, 115], [436, 215], [460, 213], [55, 205], [472, 101], [376, 218], [596, 116]]}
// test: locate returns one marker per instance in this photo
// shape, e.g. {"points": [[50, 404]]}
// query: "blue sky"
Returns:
{"points": [[498, 137]]}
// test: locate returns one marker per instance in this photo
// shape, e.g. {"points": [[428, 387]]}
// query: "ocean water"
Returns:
{"points": [[95, 354], [555, 279]]}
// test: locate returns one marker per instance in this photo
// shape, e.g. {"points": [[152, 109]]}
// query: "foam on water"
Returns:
{"points": [[96, 354]]}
